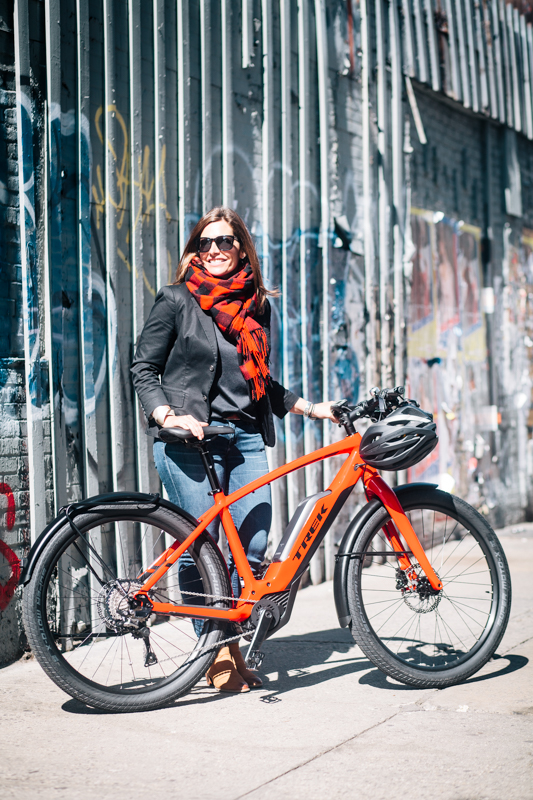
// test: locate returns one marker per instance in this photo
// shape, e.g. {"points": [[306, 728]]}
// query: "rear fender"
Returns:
{"points": [[84, 505], [347, 546]]}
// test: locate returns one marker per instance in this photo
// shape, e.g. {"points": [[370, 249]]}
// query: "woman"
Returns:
{"points": [[208, 337]]}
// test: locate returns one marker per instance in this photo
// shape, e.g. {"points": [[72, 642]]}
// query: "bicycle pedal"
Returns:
{"points": [[255, 660]]}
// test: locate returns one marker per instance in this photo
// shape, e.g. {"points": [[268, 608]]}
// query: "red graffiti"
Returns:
{"points": [[10, 518], [7, 590]]}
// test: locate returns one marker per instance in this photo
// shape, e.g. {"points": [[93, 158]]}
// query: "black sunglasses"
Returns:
{"points": [[224, 243]]}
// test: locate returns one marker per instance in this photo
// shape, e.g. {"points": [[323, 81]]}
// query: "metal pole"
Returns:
{"points": [[496, 35], [383, 194], [423, 73], [324, 241], [463, 59], [482, 69], [368, 235], [52, 222], [247, 39], [142, 456], [526, 78], [529, 33], [455, 72], [88, 426], [184, 133], [267, 134], [205, 78], [304, 222], [508, 94], [471, 54], [161, 259], [286, 230], [512, 15], [489, 40], [110, 229], [398, 187], [433, 46], [227, 104], [409, 52], [28, 258]]}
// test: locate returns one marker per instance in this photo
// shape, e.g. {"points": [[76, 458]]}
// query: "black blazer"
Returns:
{"points": [[178, 344]]}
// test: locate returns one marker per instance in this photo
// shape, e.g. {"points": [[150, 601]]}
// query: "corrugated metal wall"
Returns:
{"points": [[136, 117], [152, 114]]}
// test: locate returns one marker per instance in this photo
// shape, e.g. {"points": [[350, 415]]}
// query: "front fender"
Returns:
{"points": [[79, 508], [347, 544]]}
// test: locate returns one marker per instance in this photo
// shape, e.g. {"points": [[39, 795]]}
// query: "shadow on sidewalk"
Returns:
{"points": [[379, 680], [295, 659], [291, 657]]}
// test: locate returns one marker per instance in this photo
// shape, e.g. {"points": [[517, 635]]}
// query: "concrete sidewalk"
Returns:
{"points": [[326, 724]]}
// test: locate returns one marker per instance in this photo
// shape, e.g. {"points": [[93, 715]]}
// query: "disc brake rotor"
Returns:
{"points": [[423, 599]]}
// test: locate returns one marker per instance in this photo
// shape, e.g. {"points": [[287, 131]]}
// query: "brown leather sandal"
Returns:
{"points": [[253, 680], [224, 675]]}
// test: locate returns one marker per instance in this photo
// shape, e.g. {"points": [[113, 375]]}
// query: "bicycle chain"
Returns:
{"points": [[207, 647], [217, 597], [220, 643]]}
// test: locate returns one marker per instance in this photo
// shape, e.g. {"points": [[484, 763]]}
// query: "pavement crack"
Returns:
{"points": [[318, 755], [519, 644]]}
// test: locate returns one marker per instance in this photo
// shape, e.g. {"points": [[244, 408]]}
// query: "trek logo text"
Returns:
{"points": [[310, 533]]}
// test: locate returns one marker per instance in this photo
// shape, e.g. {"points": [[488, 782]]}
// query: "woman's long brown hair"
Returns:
{"points": [[243, 235]]}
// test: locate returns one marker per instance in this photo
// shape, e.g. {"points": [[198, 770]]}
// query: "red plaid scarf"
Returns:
{"points": [[232, 303]]}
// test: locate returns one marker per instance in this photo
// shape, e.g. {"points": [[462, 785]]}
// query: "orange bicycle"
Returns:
{"points": [[420, 576]]}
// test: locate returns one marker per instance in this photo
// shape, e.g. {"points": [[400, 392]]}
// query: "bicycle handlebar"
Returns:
{"points": [[380, 405]]}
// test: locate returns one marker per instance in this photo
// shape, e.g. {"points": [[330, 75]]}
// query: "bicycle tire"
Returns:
{"points": [[425, 640], [73, 609]]}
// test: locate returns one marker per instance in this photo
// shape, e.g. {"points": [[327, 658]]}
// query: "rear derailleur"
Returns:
{"points": [[143, 633]]}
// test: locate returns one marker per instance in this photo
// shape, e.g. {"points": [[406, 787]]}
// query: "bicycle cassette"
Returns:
{"points": [[114, 606]]}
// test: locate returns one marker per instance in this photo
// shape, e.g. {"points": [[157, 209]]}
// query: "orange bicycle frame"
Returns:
{"points": [[281, 574]]}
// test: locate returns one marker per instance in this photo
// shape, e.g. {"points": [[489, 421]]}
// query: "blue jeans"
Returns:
{"points": [[239, 459]]}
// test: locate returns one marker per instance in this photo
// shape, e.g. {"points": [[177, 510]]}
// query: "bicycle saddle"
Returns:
{"points": [[170, 435]]}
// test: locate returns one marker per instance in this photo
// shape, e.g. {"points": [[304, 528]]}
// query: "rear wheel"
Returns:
{"points": [[420, 637], [77, 608]]}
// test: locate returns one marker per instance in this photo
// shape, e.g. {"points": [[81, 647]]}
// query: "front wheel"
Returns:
{"points": [[422, 638], [78, 607]]}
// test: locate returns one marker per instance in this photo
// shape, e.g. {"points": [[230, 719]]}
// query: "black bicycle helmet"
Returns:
{"points": [[400, 440]]}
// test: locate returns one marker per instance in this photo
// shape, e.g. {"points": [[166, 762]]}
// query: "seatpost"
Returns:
{"points": [[209, 466]]}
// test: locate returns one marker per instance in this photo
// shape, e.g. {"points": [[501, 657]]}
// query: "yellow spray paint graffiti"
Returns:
{"points": [[145, 182]]}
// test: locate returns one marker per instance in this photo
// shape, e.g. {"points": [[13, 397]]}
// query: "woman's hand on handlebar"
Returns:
{"points": [[323, 411], [314, 410]]}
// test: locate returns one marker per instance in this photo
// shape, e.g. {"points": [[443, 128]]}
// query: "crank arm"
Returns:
{"points": [[254, 658]]}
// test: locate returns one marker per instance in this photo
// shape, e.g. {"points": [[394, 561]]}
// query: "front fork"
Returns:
{"points": [[399, 524], [411, 576]]}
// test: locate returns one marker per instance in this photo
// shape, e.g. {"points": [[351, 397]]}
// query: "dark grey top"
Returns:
{"points": [[229, 393]]}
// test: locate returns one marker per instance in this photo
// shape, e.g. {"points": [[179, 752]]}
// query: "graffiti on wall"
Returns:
{"points": [[7, 589], [446, 348], [145, 182]]}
